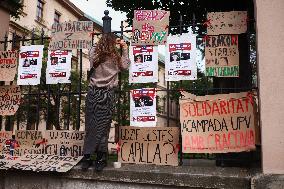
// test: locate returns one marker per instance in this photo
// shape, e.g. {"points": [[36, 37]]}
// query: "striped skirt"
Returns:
{"points": [[98, 117]]}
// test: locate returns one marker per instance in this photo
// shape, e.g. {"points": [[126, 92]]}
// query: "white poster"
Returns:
{"points": [[58, 67], [144, 64], [143, 107], [30, 63], [180, 57]]}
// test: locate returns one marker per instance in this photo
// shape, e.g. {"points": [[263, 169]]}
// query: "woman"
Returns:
{"points": [[107, 59]]}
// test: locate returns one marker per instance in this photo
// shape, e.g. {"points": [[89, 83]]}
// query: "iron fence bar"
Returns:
{"points": [[69, 106], [26, 39], [58, 106], [80, 91]]}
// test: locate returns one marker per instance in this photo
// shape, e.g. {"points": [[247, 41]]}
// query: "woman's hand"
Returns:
{"points": [[120, 43]]}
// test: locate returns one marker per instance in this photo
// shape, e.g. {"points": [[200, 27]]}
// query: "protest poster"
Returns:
{"points": [[180, 61], [64, 143], [71, 35], [218, 123], [143, 107], [150, 145], [58, 67], [222, 56], [10, 99], [8, 65], [150, 27], [30, 64], [144, 64], [4, 137], [233, 22], [44, 162]]}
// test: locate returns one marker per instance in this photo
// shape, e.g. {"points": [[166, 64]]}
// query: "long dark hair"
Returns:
{"points": [[106, 47]]}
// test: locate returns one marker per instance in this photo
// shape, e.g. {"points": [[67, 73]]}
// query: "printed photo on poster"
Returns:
{"points": [[180, 61], [143, 107], [218, 123], [30, 64], [58, 67], [8, 65], [71, 35], [222, 56], [233, 22], [144, 64], [150, 27]]}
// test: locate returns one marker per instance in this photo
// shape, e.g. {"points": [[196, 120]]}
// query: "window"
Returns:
{"points": [[56, 17], [39, 10]]}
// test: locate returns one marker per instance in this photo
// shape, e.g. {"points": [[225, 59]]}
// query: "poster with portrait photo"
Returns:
{"points": [[58, 67], [144, 64], [143, 107], [180, 63], [30, 64]]}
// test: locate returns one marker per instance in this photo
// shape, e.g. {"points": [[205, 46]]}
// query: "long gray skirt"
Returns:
{"points": [[99, 109]]}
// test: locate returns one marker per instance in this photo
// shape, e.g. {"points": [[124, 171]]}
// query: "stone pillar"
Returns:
{"points": [[4, 20], [270, 49]]}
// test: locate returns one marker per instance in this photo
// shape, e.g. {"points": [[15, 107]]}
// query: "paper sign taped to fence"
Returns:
{"points": [[28, 137], [64, 143], [40, 162], [8, 65], [222, 56], [30, 64], [233, 22], [218, 123], [144, 64], [58, 67], [150, 27], [10, 99], [71, 35], [180, 61], [151, 145], [143, 107], [4, 137]]}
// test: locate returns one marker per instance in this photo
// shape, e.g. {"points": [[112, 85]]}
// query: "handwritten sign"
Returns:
{"points": [[150, 27], [30, 64], [156, 145], [40, 162], [10, 99], [144, 64], [64, 143], [58, 67], [8, 65], [222, 56], [4, 136], [180, 62], [71, 35], [218, 123], [234, 22], [143, 107]]}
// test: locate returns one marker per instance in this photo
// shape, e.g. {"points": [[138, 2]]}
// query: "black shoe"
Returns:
{"points": [[101, 161], [86, 164], [100, 165]]}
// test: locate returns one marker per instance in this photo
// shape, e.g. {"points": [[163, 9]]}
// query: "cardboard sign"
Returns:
{"points": [[64, 143], [4, 136], [234, 22], [71, 35], [30, 64], [222, 56], [150, 27], [32, 162], [58, 67], [8, 65], [143, 107], [218, 123], [157, 145], [144, 64], [10, 99], [180, 61]]}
